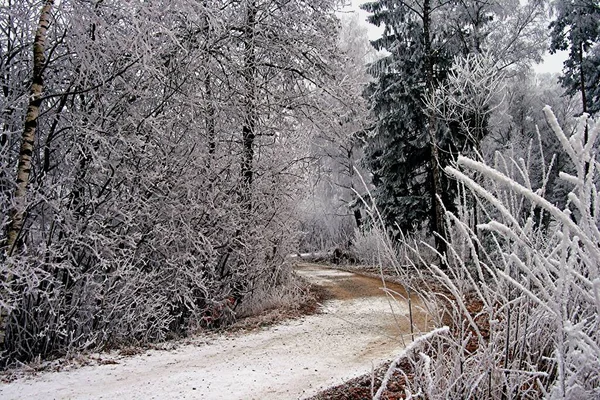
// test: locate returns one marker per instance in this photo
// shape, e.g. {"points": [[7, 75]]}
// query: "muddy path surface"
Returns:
{"points": [[359, 327]]}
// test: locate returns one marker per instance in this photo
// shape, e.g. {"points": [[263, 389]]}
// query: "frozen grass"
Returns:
{"points": [[521, 293]]}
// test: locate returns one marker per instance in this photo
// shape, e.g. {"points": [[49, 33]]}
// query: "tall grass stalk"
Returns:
{"points": [[521, 296]]}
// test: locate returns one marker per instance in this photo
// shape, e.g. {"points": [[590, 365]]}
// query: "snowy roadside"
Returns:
{"points": [[358, 329]]}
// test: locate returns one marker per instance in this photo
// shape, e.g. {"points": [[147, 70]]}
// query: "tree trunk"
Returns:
{"points": [[583, 94], [210, 115], [17, 213], [248, 129], [356, 209], [210, 109], [438, 212]]}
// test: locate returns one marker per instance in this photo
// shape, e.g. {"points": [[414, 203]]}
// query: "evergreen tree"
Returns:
{"points": [[577, 29], [410, 143], [406, 148]]}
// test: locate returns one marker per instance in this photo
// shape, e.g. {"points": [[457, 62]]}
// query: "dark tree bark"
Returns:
{"points": [[584, 107], [210, 109], [248, 129], [437, 209]]}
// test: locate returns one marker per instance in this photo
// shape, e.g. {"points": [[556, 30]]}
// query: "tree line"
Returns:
{"points": [[151, 156]]}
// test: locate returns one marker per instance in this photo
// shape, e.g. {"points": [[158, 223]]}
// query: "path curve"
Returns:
{"points": [[360, 327]]}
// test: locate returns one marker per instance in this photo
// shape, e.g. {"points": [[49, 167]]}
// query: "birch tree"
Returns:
{"points": [[17, 213]]}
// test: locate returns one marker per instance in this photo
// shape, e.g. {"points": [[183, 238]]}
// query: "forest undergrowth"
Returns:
{"points": [[305, 300]]}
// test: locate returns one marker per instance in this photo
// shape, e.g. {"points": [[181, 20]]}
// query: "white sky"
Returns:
{"points": [[552, 62]]}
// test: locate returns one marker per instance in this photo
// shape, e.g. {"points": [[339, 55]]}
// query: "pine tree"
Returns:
{"points": [[407, 148], [410, 143], [577, 29]]}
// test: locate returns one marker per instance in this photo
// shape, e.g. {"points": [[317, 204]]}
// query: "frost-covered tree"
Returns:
{"points": [[427, 42], [499, 40], [164, 171], [17, 213], [518, 127], [330, 210]]}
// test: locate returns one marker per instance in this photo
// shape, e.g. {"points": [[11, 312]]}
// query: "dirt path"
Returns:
{"points": [[359, 328]]}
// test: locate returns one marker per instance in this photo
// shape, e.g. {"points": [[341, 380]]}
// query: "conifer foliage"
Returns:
{"points": [[577, 30], [406, 147], [428, 43]]}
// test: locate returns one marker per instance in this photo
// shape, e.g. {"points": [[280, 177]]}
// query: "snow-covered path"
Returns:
{"points": [[357, 329]]}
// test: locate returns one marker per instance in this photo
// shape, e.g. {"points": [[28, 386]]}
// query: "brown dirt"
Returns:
{"points": [[371, 285], [363, 387]]}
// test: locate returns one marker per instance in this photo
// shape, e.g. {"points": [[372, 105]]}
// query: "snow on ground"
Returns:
{"points": [[358, 329]]}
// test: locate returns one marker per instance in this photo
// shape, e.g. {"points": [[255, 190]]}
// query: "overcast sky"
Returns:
{"points": [[552, 63]]}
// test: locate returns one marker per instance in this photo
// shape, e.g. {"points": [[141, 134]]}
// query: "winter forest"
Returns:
{"points": [[164, 165]]}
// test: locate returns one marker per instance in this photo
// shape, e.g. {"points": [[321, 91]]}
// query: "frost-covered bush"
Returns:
{"points": [[370, 248], [521, 298], [166, 165], [366, 246]]}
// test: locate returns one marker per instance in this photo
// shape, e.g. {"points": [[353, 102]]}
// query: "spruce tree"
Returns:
{"points": [[407, 148], [577, 29]]}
